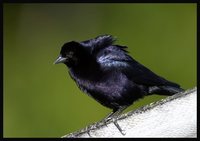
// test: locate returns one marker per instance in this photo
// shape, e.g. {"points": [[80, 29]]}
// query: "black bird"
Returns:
{"points": [[109, 75]]}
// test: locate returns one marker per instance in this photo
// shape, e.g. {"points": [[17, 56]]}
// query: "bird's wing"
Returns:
{"points": [[142, 75], [94, 46], [113, 56], [116, 57]]}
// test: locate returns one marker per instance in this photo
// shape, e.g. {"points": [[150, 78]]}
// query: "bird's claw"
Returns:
{"points": [[88, 128], [118, 127]]}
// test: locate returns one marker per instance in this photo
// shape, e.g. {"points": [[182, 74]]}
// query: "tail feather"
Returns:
{"points": [[164, 90]]}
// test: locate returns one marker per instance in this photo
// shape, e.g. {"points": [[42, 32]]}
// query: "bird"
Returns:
{"points": [[106, 72]]}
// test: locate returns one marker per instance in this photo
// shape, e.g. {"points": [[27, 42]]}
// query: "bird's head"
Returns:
{"points": [[70, 54]]}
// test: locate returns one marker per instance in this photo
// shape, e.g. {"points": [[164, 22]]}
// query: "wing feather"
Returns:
{"points": [[115, 57]]}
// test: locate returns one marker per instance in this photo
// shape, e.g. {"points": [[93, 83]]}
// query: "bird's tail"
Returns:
{"points": [[164, 90]]}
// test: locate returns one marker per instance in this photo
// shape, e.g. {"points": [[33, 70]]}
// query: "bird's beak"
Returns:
{"points": [[60, 59]]}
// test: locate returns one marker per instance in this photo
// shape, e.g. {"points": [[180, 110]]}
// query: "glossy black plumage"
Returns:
{"points": [[109, 75]]}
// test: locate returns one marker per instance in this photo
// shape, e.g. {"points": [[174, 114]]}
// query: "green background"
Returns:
{"points": [[41, 100]]}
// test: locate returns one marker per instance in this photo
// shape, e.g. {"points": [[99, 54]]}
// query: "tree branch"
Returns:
{"points": [[174, 116]]}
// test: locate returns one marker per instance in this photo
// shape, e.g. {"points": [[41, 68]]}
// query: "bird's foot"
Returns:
{"points": [[103, 122], [89, 128], [118, 127]]}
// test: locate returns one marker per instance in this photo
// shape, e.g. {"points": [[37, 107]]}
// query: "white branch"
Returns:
{"points": [[175, 116]]}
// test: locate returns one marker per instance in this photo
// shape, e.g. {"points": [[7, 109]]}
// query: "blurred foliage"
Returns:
{"points": [[41, 100]]}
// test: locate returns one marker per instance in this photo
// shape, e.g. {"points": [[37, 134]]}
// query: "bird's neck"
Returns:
{"points": [[86, 70]]}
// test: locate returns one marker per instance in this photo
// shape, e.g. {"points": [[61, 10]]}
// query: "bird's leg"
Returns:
{"points": [[107, 118], [109, 115], [104, 120], [115, 112], [114, 117]]}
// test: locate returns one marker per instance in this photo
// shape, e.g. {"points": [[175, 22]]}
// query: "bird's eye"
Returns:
{"points": [[70, 54]]}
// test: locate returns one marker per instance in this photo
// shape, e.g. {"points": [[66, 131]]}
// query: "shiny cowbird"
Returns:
{"points": [[108, 74]]}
